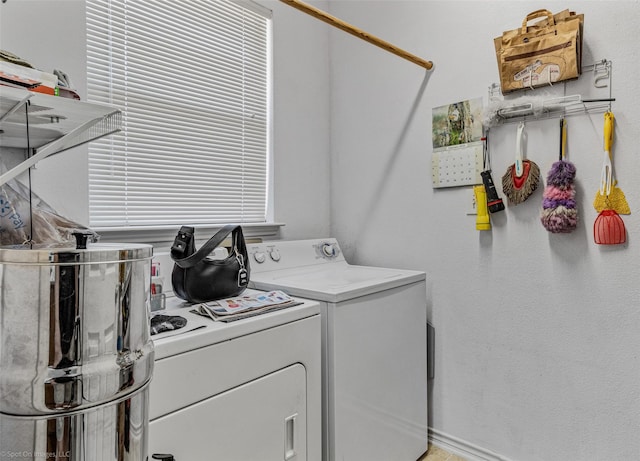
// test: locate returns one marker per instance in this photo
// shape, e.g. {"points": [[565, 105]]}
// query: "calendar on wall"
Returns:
{"points": [[457, 158], [457, 166]]}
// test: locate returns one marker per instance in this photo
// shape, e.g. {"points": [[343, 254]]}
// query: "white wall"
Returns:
{"points": [[301, 117], [537, 335], [51, 34]]}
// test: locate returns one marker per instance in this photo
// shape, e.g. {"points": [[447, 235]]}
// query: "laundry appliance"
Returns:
{"points": [[239, 391], [374, 354]]}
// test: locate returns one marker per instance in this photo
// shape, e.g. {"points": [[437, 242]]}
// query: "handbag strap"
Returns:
{"points": [[208, 247]]}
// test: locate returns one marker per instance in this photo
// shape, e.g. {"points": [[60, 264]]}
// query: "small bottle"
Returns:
{"points": [[158, 298]]}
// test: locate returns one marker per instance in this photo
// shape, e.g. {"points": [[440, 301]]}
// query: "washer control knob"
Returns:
{"points": [[259, 257], [275, 255], [329, 250]]}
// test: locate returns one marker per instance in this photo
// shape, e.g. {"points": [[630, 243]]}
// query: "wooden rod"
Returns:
{"points": [[332, 20]]}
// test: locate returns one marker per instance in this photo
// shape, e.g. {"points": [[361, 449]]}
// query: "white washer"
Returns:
{"points": [[238, 391], [374, 346]]}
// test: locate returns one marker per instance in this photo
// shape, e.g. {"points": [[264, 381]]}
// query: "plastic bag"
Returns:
{"points": [[48, 226]]}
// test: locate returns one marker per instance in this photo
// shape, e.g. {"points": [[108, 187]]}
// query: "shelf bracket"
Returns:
{"points": [[16, 106], [54, 147], [346, 27], [75, 123]]}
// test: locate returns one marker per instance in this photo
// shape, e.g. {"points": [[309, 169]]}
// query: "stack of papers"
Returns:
{"points": [[27, 77], [230, 309]]}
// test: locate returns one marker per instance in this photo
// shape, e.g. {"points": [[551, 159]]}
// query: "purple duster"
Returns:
{"points": [[559, 212]]}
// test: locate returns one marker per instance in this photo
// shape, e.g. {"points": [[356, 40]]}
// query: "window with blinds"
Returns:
{"points": [[192, 81]]}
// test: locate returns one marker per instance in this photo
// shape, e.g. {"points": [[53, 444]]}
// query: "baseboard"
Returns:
{"points": [[462, 448]]}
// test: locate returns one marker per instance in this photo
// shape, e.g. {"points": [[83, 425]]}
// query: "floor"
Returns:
{"points": [[438, 454]]}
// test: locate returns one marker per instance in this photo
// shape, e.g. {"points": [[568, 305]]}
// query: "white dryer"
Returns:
{"points": [[248, 390], [374, 346]]}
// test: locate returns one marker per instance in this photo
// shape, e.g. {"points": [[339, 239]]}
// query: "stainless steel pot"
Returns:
{"points": [[74, 332], [114, 431]]}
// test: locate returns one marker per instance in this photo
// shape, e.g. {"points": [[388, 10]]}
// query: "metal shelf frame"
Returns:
{"points": [[45, 125], [557, 106]]}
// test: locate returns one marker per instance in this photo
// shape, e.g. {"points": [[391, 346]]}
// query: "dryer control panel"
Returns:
{"points": [[275, 255], [327, 250]]}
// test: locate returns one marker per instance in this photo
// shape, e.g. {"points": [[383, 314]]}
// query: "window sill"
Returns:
{"points": [[160, 234]]}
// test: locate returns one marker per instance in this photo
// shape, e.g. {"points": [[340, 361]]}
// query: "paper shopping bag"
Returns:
{"points": [[543, 53]]}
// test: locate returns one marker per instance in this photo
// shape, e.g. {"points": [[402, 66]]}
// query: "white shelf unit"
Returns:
{"points": [[46, 125], [526, 105]]}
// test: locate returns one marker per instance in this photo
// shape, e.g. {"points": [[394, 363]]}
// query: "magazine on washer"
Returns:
{"points": [[230, 309]]}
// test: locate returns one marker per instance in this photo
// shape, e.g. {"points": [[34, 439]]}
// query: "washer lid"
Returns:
{"points": [[334, 282]]}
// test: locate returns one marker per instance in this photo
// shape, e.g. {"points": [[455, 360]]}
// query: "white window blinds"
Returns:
{"points": [[191, 78]]}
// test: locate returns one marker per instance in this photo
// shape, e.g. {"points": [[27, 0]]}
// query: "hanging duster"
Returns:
{"points": [[609, 228], [559, 212], [521, 178], [609, 196]]}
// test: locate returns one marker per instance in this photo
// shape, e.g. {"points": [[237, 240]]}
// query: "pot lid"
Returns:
{"points": [[94, 253]]}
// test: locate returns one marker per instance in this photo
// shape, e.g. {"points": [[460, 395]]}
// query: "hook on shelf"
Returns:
{"points": [[549, 76], [601, 73]]}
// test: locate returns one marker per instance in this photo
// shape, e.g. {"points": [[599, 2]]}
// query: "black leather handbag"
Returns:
{"points": [[197, 278]]}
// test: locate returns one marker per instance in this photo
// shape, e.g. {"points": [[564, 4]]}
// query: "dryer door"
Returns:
{"points": [[264, 420]]}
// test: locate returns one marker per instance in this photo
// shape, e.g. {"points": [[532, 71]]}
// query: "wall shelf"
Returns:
{"points": [[46, 125], [533, 107]]}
